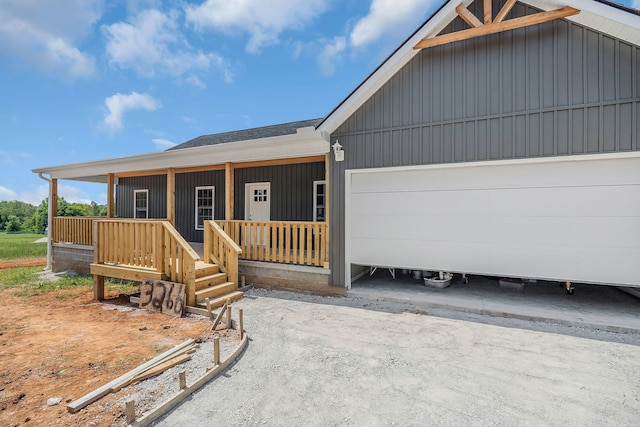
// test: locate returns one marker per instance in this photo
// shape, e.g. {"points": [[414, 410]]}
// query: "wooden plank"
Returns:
{"points": [[136, 274], [150, 417], [488, 11], [163, 297], [96, 394], [130, 409], [158, 369], [296, 243], [505, 10], [110, 195], [467, 16], [207, 301], [308, 248], [54, 197], [287, 244], [497, 27], [219, 317]]}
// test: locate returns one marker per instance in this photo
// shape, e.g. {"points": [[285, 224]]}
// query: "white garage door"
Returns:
{"points": [[574, 218]]}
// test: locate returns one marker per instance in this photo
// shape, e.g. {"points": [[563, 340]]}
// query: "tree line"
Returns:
{"points": [[18, 216]]}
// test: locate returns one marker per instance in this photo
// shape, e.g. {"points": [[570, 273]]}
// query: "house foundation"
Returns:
{"points": [[68, 256]]}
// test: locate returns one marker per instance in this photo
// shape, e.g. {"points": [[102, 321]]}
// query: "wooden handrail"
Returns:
{"points": [[76, 230], [288, 242], [147, 244], [220, 248]]}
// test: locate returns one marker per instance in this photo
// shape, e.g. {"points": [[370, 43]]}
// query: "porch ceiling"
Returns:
{"points": [[306, 142]]}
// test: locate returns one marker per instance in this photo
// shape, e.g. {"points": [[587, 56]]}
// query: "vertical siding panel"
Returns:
{"points": [[562, 75], [625, 71], [577, 131], [626, 127], [576, 35], [592, 67], [609, 75], [593, 131], [447, 143], [563, 134], [520, 136], [534, 135], [609, 128], [482, 140]]}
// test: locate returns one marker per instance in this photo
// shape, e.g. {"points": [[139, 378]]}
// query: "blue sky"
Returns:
{"points": [[83, 80]]}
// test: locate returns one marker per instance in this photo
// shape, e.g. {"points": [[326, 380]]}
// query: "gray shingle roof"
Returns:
{"points": [[247, 134]]}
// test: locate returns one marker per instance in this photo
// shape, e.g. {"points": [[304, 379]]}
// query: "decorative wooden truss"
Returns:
{"points": [[491, 26]]}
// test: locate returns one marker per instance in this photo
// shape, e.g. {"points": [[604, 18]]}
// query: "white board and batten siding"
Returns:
{"points": [[571, 218]]}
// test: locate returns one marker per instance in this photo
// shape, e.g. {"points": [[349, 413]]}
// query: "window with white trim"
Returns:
{"points": [[204, 205], [141, 203], [319, 200]]}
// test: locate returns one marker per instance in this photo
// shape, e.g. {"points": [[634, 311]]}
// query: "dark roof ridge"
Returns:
{"points": [[247, 134]]}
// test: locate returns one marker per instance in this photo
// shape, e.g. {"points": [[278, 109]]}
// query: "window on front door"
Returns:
{"points": [[204, 205], [319, 200], [141, 203]]}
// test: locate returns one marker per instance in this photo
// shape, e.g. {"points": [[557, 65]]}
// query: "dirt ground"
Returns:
{"points": [[34, 262], [62, 344]]}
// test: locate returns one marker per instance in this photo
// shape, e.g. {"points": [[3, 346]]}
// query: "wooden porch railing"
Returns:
{"points": [[219, 248], [287, 242], [151, 244], [73, 229]]}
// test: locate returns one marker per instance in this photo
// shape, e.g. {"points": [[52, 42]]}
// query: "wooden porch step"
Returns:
{"points": [[205, 269], [211, 280], [216, 291], [220, 301]]}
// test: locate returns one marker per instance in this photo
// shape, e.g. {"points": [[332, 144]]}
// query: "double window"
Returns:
{"points": [[204, 205], [141, 203]]}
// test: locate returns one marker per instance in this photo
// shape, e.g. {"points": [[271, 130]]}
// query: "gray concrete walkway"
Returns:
{"points": [[600, 307]]}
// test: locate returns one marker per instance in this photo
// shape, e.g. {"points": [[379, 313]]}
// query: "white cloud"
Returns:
{"points": [[385, 15], [7, 194], [119, 104], [636, 4], [262, 20], [152, 45], [44, 34], [73, 194], [35, 197], [328, 59], [163, 144]]}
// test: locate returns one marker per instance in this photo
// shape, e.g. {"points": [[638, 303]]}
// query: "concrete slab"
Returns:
{"points": [[591, 306]]}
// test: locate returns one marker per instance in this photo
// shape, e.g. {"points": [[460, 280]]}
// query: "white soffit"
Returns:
{"points": [[301, 144], [598, 16]]}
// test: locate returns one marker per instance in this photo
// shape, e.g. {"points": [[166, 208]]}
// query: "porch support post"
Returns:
{"points": [[228, 191], [53, 212], [327, 210], [110, 185], [171, 196], [98, 280], [53, 201]]}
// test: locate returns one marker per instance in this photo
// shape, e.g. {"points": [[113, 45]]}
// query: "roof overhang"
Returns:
{"points": [[593, 14], [306, 142]]}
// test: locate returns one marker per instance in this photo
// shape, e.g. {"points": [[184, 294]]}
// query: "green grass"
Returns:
{"points": [[27, 281], [19, 246]]}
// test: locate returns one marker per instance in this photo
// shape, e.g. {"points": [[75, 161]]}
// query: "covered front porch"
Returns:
{"points": [[259, 201]]}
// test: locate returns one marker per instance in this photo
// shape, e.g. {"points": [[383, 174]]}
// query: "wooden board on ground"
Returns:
{"points": [[162, 296]]}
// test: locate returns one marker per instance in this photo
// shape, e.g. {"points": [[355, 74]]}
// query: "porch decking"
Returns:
{"points": [[136, 250]]}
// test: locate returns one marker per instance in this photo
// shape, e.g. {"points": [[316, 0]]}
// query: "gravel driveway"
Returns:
{"points": [[311, 363]]}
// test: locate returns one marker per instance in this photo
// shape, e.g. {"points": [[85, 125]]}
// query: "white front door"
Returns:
{"points": [[257, 201]]}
